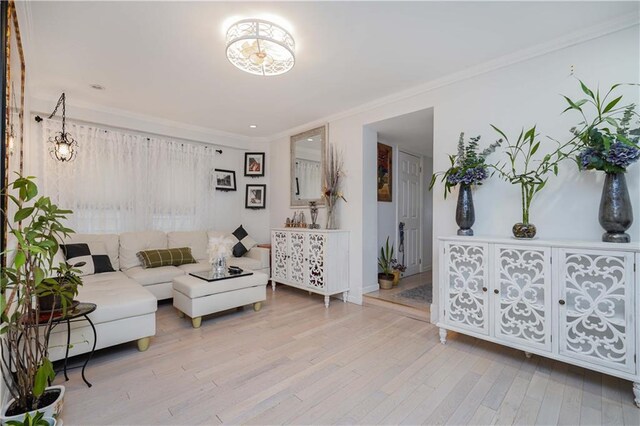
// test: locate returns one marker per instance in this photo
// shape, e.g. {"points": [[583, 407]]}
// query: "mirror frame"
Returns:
{"points": [[322, 131]]}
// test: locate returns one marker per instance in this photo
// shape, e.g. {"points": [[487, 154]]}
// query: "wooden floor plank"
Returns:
{"points": [[297, 362]]}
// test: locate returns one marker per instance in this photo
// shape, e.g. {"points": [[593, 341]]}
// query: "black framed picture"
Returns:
{"points": [[225, 180], [254, 164], [256, 197]]}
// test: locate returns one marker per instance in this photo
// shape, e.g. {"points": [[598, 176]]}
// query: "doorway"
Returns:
{"points": [[405, 217]]}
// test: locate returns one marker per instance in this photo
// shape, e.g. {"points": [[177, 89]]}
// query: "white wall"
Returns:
{"points": [[521, 94]]}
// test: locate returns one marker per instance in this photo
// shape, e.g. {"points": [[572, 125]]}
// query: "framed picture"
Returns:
{"points": [[256, 197], [254, 164], [225, 180], [385, 172], [13, 72]]}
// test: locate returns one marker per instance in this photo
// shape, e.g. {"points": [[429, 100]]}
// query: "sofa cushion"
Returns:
{"points": [[155, 258], [92, 254], [133, 242], [111, 242], [107, 276], [163, 274], [116, 298], [195, 267], [243, 242], [244, 263], [196, 240]]}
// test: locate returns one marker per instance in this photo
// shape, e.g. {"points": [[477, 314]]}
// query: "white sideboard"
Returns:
{"points": [[316, 260], [577, 302]]}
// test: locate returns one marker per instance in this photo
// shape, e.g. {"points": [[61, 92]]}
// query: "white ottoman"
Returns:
{"points": [[196, 297]]}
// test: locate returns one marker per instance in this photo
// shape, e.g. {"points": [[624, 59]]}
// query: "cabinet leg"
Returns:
{"points": [[345, 295], [636, 393], [326, 301], [527, 354], [273, 285], [443, 335]]}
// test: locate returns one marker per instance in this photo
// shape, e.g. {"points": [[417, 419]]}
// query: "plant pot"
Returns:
{"points": [[49, 303], [465, 213], [396, 277], [524, 230], [385, 281], [616, 213], [52, 410]]}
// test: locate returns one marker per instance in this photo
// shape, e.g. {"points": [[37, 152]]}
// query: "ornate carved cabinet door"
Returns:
{"points": [[316, 260], [522, 295], [296, 257], [595, 300], [466, 280], [280, 252]]}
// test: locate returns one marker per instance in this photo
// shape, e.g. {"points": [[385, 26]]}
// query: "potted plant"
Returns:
{"points": [[467, 169], [609, 144], [398, 268], [529, 171], [56, 294], [37, 419], [26, 370], [385, 277]]}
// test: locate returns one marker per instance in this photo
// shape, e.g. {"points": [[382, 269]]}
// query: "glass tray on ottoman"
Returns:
{"points": [[212, 276]]}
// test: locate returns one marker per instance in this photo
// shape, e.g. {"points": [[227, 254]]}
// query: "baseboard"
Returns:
{"points": [[426, 268], [370, 288]]}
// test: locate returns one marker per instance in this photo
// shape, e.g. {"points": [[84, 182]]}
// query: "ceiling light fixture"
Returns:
{"points": [[260, 47], [252, 126], [97, 86]]}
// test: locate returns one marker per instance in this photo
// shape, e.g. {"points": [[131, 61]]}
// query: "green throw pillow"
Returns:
{"points": [[165, 257]]}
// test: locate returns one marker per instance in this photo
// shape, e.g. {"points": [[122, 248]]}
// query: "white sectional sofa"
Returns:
{"points": [[127, 299]]}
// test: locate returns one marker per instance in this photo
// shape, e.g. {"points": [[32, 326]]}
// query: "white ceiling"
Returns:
{"points": [[412, 132], [166, 59]]}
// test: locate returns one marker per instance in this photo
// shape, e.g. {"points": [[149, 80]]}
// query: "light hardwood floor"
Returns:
{"points": [[391, 299], [296, 362]]}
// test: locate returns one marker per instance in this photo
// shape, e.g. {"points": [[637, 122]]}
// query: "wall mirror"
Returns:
{"points": [[307, 165]]}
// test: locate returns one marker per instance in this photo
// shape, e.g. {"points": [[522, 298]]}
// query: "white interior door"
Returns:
{"points": [[409, 210]]}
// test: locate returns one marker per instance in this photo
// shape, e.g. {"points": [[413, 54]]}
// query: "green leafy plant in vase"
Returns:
{"points": [[37, 226], [385, 265], [530, 171], [610, 144], [468, 169]]}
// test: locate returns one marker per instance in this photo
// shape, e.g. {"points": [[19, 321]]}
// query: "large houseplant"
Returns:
{"points": [[467, 169], [530, 170], [608, 143], [36, 227]]}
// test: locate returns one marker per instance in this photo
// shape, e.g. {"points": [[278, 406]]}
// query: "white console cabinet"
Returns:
{"points": [[311, 259], [578, 302]]}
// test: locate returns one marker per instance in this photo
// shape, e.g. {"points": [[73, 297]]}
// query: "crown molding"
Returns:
{"points": [[95, 113], [608, 27]]}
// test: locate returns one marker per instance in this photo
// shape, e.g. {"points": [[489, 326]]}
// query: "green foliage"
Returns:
{"points": [[527, 168], [386, 257], [37, 420], [37, 227], [608, 141]]}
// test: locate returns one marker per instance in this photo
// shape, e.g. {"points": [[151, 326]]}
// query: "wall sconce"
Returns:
{"points": [[63, 146]]}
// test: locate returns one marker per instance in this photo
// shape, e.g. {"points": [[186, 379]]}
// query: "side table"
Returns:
{"points": [[78, 313]]}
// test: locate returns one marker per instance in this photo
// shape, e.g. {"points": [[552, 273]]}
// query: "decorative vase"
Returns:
{"points": [[465, 213], [616, 214], [331, 220], [52, 410], [313, 208], [219, 265], [524, 230], [385, 281]]}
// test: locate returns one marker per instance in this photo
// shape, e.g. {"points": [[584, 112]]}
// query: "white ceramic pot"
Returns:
{"points": [[51, 411]]}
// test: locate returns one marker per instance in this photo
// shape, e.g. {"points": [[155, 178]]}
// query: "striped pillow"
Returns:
{"points": [[165, 257]]}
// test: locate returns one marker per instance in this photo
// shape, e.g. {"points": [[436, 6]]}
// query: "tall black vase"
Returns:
{"points": [[616, 214], [465, 214]]}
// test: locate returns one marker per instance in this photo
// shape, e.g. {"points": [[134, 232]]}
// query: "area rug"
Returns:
{"points": [[423, 293]]}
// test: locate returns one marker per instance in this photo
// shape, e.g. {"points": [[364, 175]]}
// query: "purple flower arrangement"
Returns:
{"points": [[467, 166]]}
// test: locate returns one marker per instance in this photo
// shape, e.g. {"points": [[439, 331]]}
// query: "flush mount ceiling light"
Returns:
{"points": [[260, 47]]}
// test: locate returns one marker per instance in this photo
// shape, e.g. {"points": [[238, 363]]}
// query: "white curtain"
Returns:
{"points": [[308, 174], [122, 181]]}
